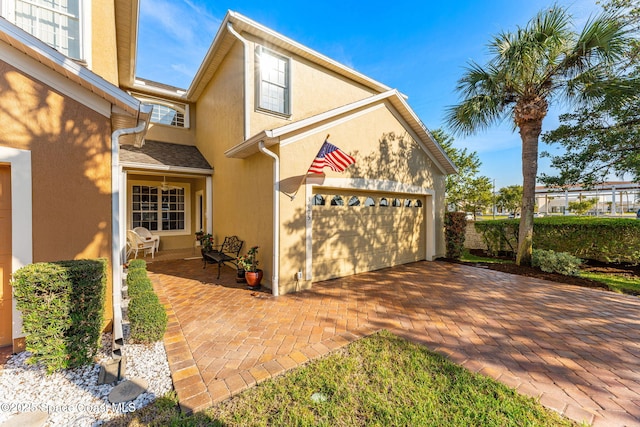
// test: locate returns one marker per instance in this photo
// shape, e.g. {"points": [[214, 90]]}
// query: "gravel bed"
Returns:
{"points": [[73, 396]]}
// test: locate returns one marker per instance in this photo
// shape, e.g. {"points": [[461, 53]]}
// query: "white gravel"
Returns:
{"points": [[73, 397]]}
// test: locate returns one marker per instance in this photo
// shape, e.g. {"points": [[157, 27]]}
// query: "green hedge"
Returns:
{"points": [[62, 305], [601, 239], [146, 315], [137, 264]]}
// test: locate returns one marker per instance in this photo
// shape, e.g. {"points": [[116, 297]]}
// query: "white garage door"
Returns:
{"points": [[357, 232]]}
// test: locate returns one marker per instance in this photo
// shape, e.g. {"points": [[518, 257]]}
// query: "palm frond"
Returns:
{"points": [[475, 113]]}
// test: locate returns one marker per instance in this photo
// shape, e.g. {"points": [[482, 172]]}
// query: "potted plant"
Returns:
{"points": [[249, 263], [206, 241]]}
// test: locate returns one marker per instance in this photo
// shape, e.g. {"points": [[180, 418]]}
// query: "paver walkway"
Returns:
{"points": [[577, 349]]}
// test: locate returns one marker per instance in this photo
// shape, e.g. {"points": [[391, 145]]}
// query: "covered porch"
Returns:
{"points": [[168, 191]]}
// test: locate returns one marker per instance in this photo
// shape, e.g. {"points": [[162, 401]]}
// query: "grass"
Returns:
{"points": [[617, 283], [381, 380], [468, 257]]}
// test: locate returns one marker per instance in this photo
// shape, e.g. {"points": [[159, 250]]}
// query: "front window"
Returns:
{"points": [[158, 209], [55, 22], [273, 84]]}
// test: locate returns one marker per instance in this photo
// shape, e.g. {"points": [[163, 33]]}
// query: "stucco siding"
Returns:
{"points": [[242, 189], [313, 90], [103, 39], [71, 166]]}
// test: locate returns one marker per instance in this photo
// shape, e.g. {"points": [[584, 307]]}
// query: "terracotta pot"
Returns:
{"points": [[253, 278]]}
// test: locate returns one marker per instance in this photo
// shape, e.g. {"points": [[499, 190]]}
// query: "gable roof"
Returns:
{"points": [[49, 57], [165, 156], [392, 97], [223, 42]]}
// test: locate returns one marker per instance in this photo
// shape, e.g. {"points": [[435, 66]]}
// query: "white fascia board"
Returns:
{"points": [[271, 137], [167, 168], [404, 114], [51, 58]]}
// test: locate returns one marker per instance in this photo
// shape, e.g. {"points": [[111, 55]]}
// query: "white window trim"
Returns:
{"points": [[8, 11], [258, 83], [360, 184], [187, 206]]}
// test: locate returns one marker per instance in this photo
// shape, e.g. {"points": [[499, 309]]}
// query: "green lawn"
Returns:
{"points": [[621, 284], [381, 380], [468, 257]]}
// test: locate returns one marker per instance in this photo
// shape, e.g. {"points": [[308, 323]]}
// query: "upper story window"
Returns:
{"points": [[273, 82], [166, 112], [58, 23], [167, 116]]}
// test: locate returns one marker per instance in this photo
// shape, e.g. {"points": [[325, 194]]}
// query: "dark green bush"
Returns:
{"points": [[147, 317], [601, 239], [455, 225], [135, 264], [139, 286], [556, 262], [62, 307]]}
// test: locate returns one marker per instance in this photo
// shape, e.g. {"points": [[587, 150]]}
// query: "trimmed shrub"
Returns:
{"points": [[147, 317], [62, 305], [601, 239], [138, 286], [136, 264], [556, 262], [455, 224]]}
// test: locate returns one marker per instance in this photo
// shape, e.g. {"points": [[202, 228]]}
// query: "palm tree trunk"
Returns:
{"points": [[529, 133]]}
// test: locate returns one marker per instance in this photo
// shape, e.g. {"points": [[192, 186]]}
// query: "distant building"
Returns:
{"points": [[614, 198]]}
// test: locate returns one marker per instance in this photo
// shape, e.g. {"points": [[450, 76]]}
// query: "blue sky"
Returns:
{"points": [[418, 47]]}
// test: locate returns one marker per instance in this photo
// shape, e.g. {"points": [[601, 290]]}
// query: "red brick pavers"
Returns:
{"points": [[576, 349]]}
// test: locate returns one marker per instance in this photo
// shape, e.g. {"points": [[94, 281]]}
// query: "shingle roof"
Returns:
{"points": [[164, 154]]}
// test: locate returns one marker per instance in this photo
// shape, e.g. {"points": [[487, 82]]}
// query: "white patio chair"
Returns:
{"points": [[146, 235], [137, 243]]}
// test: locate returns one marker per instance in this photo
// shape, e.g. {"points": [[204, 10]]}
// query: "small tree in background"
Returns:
{"points": [[465, 191], [509, 198], [583, 206]]}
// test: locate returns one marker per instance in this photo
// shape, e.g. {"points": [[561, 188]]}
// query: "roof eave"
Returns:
{"points": [[51, 58]]}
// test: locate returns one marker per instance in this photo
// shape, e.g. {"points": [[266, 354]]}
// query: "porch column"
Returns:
{"points": [[208, 214], [613, 200]]}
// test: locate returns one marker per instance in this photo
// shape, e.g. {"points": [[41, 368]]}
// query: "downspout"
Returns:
{"points": [[118, 254], [247, 104], [276, 217]]}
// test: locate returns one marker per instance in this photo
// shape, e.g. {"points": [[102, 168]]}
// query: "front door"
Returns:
{"points": [[5, 255]]}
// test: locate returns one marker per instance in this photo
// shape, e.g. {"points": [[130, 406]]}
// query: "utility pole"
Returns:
{"points": [[494, 198]]}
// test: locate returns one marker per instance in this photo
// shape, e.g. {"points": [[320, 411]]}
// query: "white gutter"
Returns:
{"points": [[118, 253], [247, 105], [276, 218]]}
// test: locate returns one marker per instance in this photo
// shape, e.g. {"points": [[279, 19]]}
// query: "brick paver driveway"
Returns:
{"points": [[576, 349]]}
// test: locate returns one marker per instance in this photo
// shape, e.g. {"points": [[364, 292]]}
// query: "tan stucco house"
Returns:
{"points": [[88, 150]]}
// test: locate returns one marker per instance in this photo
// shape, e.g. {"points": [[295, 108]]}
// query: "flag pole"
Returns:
{"points": [[304, 177]]}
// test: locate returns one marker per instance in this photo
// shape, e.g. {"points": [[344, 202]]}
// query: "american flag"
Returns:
{"points": [[332, 157]]}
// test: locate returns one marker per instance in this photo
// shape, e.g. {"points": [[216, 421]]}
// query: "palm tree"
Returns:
{"points": [[543, 62]]}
